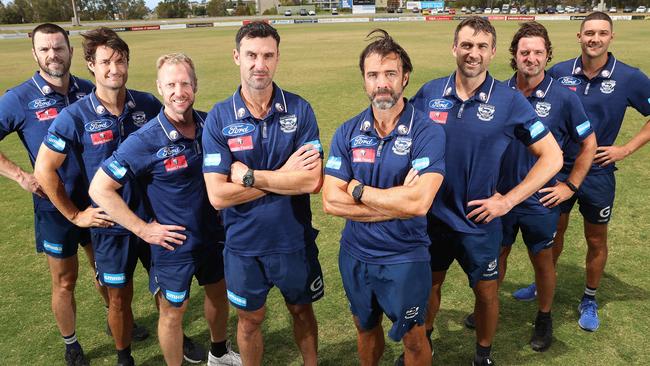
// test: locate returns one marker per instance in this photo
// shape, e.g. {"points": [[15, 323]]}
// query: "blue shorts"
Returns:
{"points": [[175, 280], [400, 291], [56, 236], [477, 254], [297, 275], [595, 197], [116, 257], [537, 230]]}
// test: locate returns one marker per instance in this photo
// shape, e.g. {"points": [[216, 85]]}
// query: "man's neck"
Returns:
{"points": [[112, 99], [60, 85], [386, 119], [467, 87], [591, 66], [184, 123], [527, 84], [257, 101]]}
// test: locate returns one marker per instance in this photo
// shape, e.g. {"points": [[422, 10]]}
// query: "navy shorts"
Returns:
{"points": [[175, 280], [477, 254], [537, 230], [595, 197], [56, 236], [116, 256], [297, 275], [400, 291]]}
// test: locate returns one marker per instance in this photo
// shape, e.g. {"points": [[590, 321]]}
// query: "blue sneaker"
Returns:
{"points": [[526, 294], [588, 310]]}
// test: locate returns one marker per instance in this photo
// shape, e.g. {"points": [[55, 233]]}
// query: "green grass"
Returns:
{"points": [[319, 62]]}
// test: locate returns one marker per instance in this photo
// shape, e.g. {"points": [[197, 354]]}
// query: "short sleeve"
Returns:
{"points": [[428, 151], [12, 116], [217, 157], [527, 127], [130, 160], [639, 93], [62, 134], [338, 163], [578, 123], [308, 132], [419, 101]]}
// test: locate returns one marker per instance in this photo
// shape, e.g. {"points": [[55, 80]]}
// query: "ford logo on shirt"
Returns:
{"points": [[363, 140], [170, 150], [570, 81], [98, 125], [440, 104], [41, 103], [238, 129]]}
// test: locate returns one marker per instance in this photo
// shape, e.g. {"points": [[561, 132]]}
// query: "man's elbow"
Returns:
{"points": [[218, 203], [315, 185]]}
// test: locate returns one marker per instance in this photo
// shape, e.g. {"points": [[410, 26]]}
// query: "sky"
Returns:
{"points": [[151, 4]]}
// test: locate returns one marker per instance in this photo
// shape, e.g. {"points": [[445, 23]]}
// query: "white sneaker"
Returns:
{"points": [[231, 358]]}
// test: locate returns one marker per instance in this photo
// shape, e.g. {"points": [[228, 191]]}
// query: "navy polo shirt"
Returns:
{"points": [[89, 131], [169, 166], [478, 132], [273, 223], [357, 152], [605, 99], [29, 109], [562, 113]]}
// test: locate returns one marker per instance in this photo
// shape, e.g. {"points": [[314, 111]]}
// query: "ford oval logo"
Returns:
{"points": [[362, 140], [440, 104], [41, 103], [170, 150], [570, 81], [238, 129], [98, 125]]}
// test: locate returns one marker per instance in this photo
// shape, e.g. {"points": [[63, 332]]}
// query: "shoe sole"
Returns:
{"points": [[525, 299], [191, 360], [542, 349]]}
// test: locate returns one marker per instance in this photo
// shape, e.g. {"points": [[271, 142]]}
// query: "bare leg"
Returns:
{"points": [[215, 308], [416, 347], [249, 336], [120, 316], [558, 242], [305, 332], [545, 278], [170, 331], [486, 311], [596, 235], [370, 343], [434, 299], [63, 273], [91, 261]]}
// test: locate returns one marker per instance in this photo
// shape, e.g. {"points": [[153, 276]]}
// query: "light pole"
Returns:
{"points": [[75, 18]]}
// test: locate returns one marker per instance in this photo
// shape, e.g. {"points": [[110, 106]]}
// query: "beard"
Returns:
{"points": [[55, 73], [385, 102]]}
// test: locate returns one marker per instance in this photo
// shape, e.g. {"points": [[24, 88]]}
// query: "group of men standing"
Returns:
{"points": [[451, 174]]}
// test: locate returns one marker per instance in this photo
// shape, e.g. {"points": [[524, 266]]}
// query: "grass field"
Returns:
{"points": [[319, 62]]}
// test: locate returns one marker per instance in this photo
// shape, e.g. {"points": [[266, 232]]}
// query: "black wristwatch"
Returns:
{"points": [[571, 186], [249, 178], [357, 192]]}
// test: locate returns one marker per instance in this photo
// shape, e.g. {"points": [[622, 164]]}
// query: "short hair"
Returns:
{"points": [[529, 30], [597, 15], [178, 58], [479, 25], [103, 36], [257, 29], [383, 45], [49, 28]]}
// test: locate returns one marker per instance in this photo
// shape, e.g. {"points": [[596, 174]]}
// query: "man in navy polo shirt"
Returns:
{"points": [[480, 116], [605, 86], [262, 158], [29, 109], [561, 111], [186, 235], [91, 130], [385, 166]]}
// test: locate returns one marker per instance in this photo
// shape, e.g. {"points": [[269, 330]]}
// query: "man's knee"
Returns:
{"points": [[250, 322], [120, 299], [486, 292], [415, 340], [64, 274], [170, 315], [300, 311]]}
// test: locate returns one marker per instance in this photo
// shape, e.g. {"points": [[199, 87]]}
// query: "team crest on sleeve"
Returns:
{"points": [[485, 112], [402, 145], [139, 118], [289, 123], [607, 86], [543, 109]]}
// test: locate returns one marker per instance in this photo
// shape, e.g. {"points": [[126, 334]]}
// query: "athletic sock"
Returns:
{"points": [[482, 352], [71, 342], [542, 316], [590, 293], [124, 354], [218, 349]]}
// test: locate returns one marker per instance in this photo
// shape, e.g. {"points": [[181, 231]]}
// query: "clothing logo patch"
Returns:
{"points": [[363, 155], [443, 104], [363, 140], [139, 118], [170, 150], [412, 312], [175, 163], [117, 169], [607, 86], [279, 107], [492, 266], [421, 163], [55, 142], [238, 129], [103, 137], [289, 123], [402, 130], [569, 81], [174, 296], [537, 128], [114, 278], [98, 125], [212, 159], [316, 287], [241, 112], [333, 162], [402, 145], [241, 143], [41, 103], [583, 127], [47, 114], [53, 247], [236, 299], [316, 144], [438, 117], [80, 95], [605, 212], [543, 109], [485, 112]]}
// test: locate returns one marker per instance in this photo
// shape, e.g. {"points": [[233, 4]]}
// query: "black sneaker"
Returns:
{"points": [[542, 335], [129, 362], [486, 361], [470, 321], [139, 333], [193, 352], [75, 357]]}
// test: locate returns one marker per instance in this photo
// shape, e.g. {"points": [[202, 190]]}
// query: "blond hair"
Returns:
{"points": [[178, 58]]}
